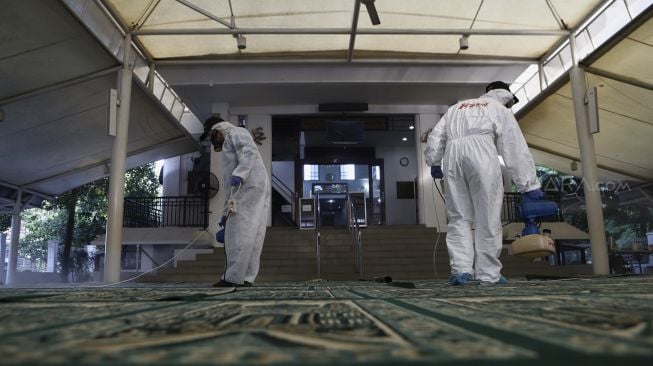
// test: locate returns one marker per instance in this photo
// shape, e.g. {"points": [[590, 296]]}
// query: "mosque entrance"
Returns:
{"points": [[365, 156], [336, 183]]}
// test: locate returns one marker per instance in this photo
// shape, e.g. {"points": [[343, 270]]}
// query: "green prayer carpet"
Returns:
{"points": [[582, 321]]}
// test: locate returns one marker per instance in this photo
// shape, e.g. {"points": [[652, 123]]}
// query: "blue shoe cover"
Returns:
{"points": [[460, 279], [502, 281]]}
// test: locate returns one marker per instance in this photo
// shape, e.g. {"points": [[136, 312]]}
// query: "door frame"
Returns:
{"points": [[299, 180]]}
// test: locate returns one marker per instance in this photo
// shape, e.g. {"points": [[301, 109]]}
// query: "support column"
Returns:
{"points": [[3, 255], [593, 204], [172, 177], [264, 121], [431, 207], [113, 244], [13, 247], [51, 264]]}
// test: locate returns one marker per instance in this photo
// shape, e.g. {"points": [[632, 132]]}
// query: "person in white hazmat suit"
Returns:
{"points": [[463, 148], [245, 221]]}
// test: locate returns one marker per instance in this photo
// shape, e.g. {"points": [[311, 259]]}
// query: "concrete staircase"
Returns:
{"points": [[404, 252]]}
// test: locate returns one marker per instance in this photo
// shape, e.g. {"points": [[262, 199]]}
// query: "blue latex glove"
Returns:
{"points": [[436, 172], [219, 236], [223, 221], [236, 181], [535, 194]]}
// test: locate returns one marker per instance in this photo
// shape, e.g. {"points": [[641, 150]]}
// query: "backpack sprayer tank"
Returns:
{"points": [[532, 244]]}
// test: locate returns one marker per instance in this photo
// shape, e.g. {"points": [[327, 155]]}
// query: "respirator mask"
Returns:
{"points": [[217, 140]]}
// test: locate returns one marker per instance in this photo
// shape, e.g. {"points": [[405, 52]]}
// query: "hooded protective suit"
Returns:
{"points": [[466, 142], [245, 229]]}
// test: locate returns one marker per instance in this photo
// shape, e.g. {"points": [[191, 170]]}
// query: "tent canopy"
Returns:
{"points": [[623, 76], [54, 94], [297, 28]]}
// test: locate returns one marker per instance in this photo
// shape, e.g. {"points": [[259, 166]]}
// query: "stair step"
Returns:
{"points": [[404, 252]]}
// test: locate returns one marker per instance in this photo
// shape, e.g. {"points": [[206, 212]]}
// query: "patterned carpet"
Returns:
{"points": [[600, 321]]}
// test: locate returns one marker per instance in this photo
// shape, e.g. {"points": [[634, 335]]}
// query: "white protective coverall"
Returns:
{"points": [[466, 142], [245, 229]]}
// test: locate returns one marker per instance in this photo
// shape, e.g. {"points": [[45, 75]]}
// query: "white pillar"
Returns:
{"points": [[172, 177], [265, 122], [593, 204], [13, 248], [113, 244], [432, 210], [51, 264], [3, 255]]}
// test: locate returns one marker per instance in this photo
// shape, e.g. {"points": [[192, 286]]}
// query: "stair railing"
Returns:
{"points": [[356, 237], [317, 232], [288, 194]]}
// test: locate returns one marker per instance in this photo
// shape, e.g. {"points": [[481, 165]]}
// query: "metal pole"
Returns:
{"points": [[593, 203], [347, 31], [317, 232], [3, 255], [113, 244], [540, 74], [15, 239], [354, 28]]}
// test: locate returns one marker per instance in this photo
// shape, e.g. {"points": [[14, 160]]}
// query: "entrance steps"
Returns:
{"points": [[404, 252]]}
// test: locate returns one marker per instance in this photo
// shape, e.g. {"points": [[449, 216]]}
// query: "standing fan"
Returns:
{"points": [[212, 185], [203, 182]]}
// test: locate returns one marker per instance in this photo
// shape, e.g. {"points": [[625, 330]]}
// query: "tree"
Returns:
{"points": [[626, 223], [77, 217]]}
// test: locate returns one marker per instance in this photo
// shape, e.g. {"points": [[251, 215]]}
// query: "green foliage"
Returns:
{"points": [[49, 222], [628, 224], [5, 222]]}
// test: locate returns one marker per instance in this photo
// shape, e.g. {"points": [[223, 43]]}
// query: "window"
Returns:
{"points": [[347, 172], [311, 172]]}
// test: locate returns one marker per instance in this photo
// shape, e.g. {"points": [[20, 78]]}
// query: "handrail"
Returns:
{"points": [[317, 231], [357, 237], [289, 192], [288, 195]]}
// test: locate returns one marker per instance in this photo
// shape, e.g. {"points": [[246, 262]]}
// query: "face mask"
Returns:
{"points": [[217, 141], [510, 103]]}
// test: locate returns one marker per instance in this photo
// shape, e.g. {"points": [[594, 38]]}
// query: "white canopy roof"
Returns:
{"points": [[297, 28], [59, 58], [54, 95], [623, 75]]}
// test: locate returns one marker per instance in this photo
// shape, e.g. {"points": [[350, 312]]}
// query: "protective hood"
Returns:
{"points": [[224, 127], [500, 95]]}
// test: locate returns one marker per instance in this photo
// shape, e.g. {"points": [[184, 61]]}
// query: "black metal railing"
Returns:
{"points": [[511, 200], [187, 211]]}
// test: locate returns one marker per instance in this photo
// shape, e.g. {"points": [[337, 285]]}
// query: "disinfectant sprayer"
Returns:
{"points": [[532, 244]]}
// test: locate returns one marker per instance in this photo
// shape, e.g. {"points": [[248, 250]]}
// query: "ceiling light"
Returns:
{"points": [[411, 127], [242, 42], [371, 10], [404, 139], [464, 42]]}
